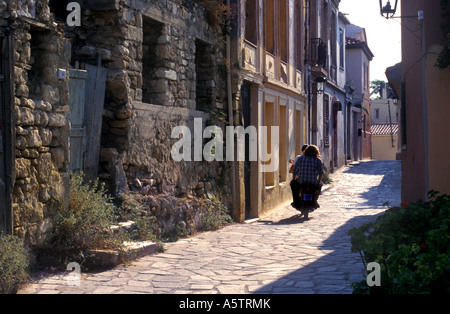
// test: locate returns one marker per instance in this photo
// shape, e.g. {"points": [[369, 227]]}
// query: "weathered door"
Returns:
{"points": [[87, 95], [2, 155], [95, 98], [78, 131], [6, 149], [245, 96]]}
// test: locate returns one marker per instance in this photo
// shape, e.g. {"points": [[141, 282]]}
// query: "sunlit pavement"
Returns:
{"points": [[280, 253]]}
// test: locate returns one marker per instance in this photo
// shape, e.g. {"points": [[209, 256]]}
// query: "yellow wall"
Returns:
{"points": [[382, 147], [438, 98]]}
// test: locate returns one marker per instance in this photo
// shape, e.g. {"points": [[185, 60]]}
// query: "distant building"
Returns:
{"points": [[385, 123], [384, 141], [358, 56], [327, 63], [384, 111]]}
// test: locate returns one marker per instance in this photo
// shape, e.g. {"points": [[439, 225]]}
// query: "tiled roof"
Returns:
{"points": [[384, 128]]}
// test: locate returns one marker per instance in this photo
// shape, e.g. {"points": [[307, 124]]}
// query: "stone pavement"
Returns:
{"points": [[281, 253]]}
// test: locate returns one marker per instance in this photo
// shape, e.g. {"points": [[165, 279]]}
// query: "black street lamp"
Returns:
{"points": [[386, 10], [320, 84]]}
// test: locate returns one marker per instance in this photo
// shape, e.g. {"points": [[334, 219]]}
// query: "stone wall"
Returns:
{"points": [[160, 55], [41, 116], [166, 66]]}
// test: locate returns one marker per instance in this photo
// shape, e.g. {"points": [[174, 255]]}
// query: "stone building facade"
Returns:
{"points": [[329, 106], [34, 118], [359, 56], [165, 65], [137, 70], [269, 90]]}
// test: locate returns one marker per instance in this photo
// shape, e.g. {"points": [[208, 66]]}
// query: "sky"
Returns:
{"points": [[383, 36]]}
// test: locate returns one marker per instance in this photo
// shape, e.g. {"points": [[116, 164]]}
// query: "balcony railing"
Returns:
{"points": [[319, 53]]}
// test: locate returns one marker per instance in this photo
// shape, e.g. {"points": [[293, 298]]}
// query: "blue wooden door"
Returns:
{"points": [[78, 128], [93, 115]]}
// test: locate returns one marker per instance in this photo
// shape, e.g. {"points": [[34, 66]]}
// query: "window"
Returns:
{"points": [[367, 76], [282, 143], [298, 132], [268, 122], [283, 31], [58, 8], [205, 84], [269, 26], [341, 48], [326, 120], [377, 113], [325, 20], [155, 86], [364, 76], [333, 40], [251, 25], [36, 73], [298, 34]]}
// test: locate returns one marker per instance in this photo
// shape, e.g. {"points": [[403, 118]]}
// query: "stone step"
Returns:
{"points": [[126, 226], [131, 251], [107, 258]]}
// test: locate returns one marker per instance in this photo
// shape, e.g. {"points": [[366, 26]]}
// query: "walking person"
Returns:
{"points": [[309, 169]]}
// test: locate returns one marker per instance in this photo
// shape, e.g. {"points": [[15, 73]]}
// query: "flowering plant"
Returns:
{"points": [[412, 245]]}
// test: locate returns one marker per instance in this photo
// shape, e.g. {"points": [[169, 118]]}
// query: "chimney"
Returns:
{"points": [[383, 90]]}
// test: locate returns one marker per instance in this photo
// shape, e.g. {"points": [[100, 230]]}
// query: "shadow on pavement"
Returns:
{"points": [[295, 219], [329, 274], [386, 191], [374, 167]]}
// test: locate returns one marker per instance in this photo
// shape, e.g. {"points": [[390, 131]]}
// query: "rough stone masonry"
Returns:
{"points": [[166, 66], [40, 115]]}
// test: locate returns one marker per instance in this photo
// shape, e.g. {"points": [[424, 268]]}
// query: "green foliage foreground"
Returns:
{"points": [[412, 245], [13, 263]]}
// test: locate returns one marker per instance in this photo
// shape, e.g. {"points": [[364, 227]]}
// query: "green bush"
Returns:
{"points": [[412, 245], [216, 216], [86, 223], [131, 209], [13, 263]]}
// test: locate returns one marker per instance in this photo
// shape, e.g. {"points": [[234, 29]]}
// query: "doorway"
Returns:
{"points": [[337, 107], [245, 96], [6, 157], [2, 149], [355, 136]]}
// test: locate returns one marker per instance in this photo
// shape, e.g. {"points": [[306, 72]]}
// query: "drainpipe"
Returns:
{"points": [[308, 67], [230, 108]]}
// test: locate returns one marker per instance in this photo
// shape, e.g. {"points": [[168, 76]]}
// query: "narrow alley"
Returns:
{"points": [[280, 253]]}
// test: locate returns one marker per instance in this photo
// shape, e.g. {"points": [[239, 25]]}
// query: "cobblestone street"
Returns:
{"points": [[280, 253]]}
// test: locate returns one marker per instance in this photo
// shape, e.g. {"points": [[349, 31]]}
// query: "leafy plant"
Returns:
{"points": [[412, 245], [216, 216], [326, 179], [217, 11], [85, 224], [13, 263], [146, 225]]}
